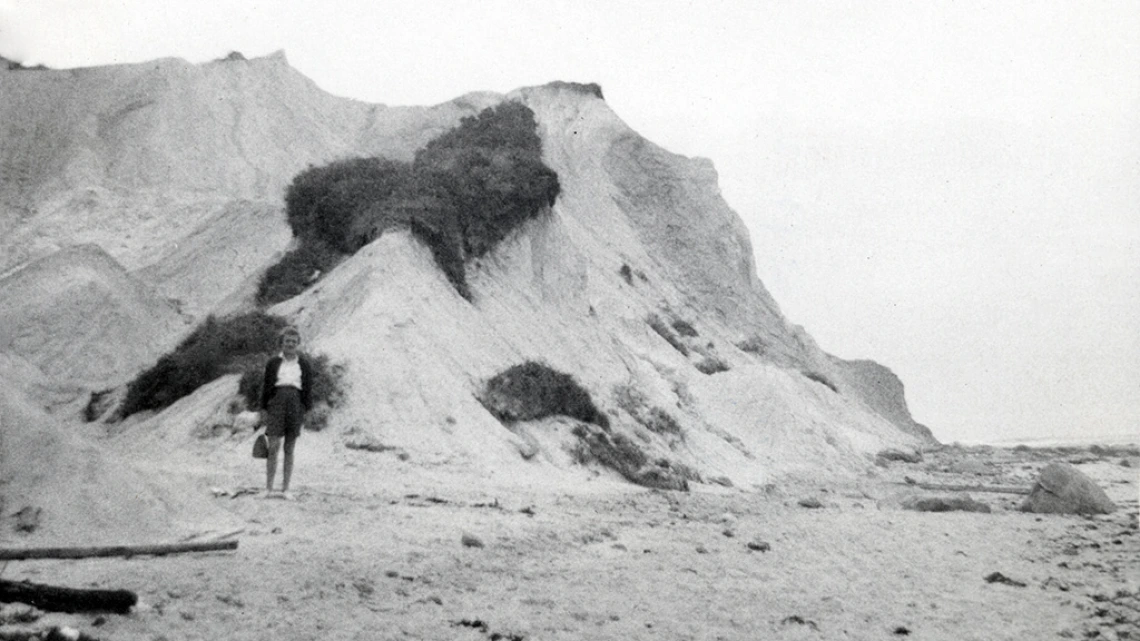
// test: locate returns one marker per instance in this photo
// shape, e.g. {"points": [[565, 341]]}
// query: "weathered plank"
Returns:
{"points": [[21, 554]]}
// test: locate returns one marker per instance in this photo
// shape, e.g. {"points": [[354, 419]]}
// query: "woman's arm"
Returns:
{"points": [[306, 384], [268, 382]]}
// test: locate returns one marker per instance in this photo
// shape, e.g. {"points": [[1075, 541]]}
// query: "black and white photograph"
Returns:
{"points": [[556, 320]]}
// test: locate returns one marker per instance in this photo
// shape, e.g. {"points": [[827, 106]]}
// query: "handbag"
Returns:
{"points": [[261, 446]]}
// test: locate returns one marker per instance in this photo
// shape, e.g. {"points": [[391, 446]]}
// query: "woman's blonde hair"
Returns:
{"points": [[288, 331]]}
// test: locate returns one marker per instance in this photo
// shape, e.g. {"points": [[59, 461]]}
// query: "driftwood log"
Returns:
{"points": [[58, 599], [995, 489], [21, 554]]}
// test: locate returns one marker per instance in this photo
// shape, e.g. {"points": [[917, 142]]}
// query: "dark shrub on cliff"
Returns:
{"points": [[216, 348], [531, 391], [295, 271], [465, 192]]}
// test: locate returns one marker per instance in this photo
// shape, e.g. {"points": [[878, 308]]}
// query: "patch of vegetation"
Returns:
{"points": [[711, 365], [653, 418], [663, 331], [465, 192], [621, 454], [216, 348], [626, 274], [821, 379], [532, 391], [589, 88], [490, 167], [754, 345], [684, 328], [237, 344], [296, 271], [98, 405]]}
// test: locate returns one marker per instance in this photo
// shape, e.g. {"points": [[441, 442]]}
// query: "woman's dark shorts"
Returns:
{"points": [[285, 413]]}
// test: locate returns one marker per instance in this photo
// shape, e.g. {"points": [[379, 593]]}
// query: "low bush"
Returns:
{"points": [[98, 405], [684, 328], [323, 203], [217, 347], [238, 344], [663, 331], [296, 271], [711, 365], [754, 345], [466, 190], [619, 453], [491, 168], [653, 418], [821, 379], [532, 391]]}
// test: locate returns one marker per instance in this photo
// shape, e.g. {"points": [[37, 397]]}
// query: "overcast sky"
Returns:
{"points": [[950, 188]]}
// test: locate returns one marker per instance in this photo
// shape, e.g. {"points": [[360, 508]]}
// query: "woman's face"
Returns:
{"points": [[289, 345]]}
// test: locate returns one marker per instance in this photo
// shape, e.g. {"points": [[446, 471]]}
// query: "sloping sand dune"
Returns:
{"points": [[81, 318]]}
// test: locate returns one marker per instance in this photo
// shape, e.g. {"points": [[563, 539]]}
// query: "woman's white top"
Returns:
{"points": [[289, 373]]}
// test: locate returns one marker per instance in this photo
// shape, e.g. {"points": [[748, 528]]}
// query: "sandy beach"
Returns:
{"points": [[384, 558]]}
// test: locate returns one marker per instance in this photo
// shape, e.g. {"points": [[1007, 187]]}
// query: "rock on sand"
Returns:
{"points": [[1063, 489]]}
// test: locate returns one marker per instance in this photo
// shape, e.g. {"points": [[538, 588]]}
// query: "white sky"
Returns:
{"points": [[950, 188]]}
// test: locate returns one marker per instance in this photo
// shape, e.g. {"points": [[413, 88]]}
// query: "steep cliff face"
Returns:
{"points": [[176, 171], [135, 157]]}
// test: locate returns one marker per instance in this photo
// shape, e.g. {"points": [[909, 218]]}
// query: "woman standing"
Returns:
{"points": [[286, 394]]}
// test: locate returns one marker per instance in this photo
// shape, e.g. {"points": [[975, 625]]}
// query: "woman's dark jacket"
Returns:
{"points": [[269, 385]]}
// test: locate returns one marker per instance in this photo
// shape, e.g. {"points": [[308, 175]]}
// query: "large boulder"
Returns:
{"points": [[1063, 489]]}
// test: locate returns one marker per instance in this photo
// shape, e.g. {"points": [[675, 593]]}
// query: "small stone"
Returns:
{"points": [[186, 616], [998, 577], [728, 532], [702, 549], [810, 502], [435, 599], [759, 546], [471, 541]]}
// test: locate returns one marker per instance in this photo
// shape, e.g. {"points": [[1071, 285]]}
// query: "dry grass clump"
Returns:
{"points": [[653, 418], [621, 454], [665, 332], [755, 345], [533, 390], [626, 274], [711, 365], [684, 328]]}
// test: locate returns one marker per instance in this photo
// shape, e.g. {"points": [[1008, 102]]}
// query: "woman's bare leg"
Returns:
{"points": [[271, 463], [287, 472]]}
